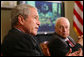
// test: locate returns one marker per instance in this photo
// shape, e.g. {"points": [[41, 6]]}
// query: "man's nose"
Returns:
{"points": [[64, 29], [38, 23]]}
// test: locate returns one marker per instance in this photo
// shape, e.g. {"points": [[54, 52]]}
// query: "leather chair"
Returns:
{"points": [[45, 48]]}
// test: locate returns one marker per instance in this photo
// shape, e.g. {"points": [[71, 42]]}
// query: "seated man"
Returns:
{"points": [[20, 39], [61, 43]]}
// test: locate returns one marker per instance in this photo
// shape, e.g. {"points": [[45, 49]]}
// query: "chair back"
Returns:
{"points": [[45, 48]]}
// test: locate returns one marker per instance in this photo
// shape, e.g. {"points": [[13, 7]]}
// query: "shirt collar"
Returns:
{"points": [[66, 39]]}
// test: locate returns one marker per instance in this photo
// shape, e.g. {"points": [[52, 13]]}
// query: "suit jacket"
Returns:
{"points": [[59, 47], [17, 43]]}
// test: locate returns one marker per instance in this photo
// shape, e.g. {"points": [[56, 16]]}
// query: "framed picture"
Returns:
{"points": [[48, 12], [8, 4]]}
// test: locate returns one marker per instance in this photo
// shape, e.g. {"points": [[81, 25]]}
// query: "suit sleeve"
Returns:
{"points": [[76, 47]]}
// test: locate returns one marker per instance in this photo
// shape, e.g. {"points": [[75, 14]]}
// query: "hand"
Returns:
{"points": [[80, 40], [69, 53], [76, 53], [80, 52]]}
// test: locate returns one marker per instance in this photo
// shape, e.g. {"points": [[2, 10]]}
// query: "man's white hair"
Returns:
{"points": [[58, 19], [23, 10]]}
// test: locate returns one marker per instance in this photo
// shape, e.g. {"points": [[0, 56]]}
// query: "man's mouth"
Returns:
{"points": [[36, 28]]}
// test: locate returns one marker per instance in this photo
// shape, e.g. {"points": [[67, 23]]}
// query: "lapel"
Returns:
{"points": [[71, 39], [60, 38]]}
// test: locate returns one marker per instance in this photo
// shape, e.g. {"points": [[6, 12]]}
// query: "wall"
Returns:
{"points": [[5, 22], [6, 25], [69, 14]]}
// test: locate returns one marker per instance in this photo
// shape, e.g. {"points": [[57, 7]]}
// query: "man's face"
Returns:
{"points": [[31, 24], [62, 28]]}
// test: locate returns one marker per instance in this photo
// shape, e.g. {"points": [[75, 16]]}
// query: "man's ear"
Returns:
{"points": [[21, 19]]}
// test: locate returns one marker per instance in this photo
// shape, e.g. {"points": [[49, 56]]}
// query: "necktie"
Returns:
{"points": [[70, 43]]}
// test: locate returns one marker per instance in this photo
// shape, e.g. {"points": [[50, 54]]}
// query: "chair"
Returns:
{"points": [[45, 48]]}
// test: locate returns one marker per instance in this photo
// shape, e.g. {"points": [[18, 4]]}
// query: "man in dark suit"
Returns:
{"points": [[20, 39], [61, 43]]}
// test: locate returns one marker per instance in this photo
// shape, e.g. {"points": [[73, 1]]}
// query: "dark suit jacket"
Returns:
{"points": [[17, 43], [58, 46]]}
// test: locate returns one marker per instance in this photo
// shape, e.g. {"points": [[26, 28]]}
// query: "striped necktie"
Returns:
{"points": [[70, 43]]}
